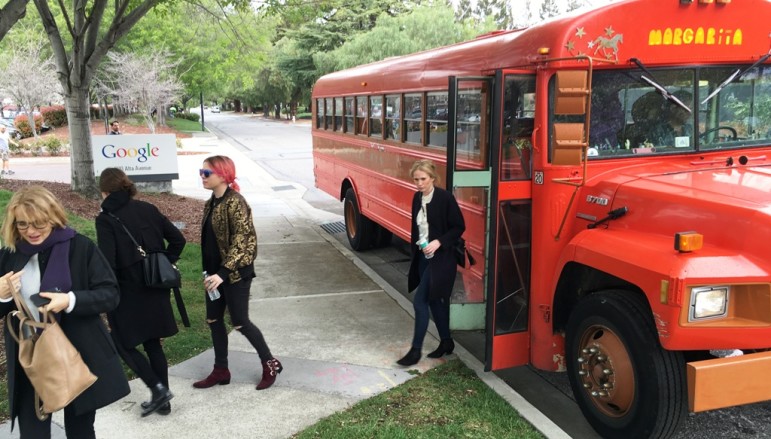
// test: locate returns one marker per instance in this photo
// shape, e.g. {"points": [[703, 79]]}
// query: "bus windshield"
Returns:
{"points": [[629, 116]]}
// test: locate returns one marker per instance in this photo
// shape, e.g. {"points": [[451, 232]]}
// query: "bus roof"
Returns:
{"points": [[658, 32]]}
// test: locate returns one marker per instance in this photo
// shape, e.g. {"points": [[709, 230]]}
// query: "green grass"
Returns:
{"points": [[183, 125], [449, 401]]}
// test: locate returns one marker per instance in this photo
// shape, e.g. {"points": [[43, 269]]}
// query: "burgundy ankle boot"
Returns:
{"points": [[220, 375], [270, 369]]}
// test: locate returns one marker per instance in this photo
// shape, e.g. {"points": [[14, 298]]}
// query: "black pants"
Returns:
{"points": [[30, 427], [152, 369], [235, 297]]}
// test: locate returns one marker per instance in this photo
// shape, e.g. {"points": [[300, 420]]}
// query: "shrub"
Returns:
{"points": [[22, 124], [54, 116], [195, 117], [52, 144]]}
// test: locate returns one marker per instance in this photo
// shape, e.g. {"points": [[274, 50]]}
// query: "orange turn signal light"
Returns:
{"points": [[688, 241], [543, 50]]}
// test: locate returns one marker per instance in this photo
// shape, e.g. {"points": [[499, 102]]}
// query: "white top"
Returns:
{"points": [[422, 219]]}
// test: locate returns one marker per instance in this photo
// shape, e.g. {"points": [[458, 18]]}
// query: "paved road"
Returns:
{"points": [[285, 151]]}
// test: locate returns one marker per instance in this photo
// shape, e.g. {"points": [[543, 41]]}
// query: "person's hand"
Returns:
{"points": [[431, 248], [5, 289], [212, 282], [59, 302]]}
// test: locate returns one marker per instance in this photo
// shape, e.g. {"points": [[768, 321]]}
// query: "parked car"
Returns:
{"points": [[11, 129], [215, 109]]}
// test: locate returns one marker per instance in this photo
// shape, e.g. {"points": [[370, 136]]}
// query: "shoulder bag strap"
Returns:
{"points": [[139, 247], [181, 307]]}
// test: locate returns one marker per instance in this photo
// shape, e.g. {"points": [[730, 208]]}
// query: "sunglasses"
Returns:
{"points": [[206, 173]]}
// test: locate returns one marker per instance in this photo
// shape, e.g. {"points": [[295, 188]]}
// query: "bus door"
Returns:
{"points": [[492, 176], [507, 329], [469, 177]]}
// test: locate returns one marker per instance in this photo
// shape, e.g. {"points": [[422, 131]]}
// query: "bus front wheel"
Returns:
{"points": [[625, 383], [357, 226]]}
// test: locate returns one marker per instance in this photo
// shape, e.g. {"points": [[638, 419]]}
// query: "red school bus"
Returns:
{"points": [[614, 170]]}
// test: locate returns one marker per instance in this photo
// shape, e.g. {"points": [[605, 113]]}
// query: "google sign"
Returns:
{"points": [[141, 154], [143, 157]]}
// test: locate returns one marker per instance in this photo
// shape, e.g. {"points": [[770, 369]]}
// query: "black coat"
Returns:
{"points": [[96, 291], [144, 313], [445, 223]]}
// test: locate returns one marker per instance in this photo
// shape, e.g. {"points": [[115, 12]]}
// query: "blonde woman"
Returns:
{"points": [[437, 224], [75, 282]]}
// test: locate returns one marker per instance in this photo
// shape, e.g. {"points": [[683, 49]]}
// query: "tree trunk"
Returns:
{"points": [[81, 156]]}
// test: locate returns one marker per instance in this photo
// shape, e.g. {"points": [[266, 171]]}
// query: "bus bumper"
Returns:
{"points": [[727, 382]]}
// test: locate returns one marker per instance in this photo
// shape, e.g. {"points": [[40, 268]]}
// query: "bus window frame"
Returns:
{"points": [[319, 113], [339, 114], [361, 121], [437, 122], [374, 118], [398, 120], [348, 112], [419, 121]]}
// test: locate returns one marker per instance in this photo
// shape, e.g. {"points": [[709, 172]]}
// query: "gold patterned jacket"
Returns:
{"points": [[234, 231]]}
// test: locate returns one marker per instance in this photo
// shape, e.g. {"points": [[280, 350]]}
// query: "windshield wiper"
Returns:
{"points": [[659, 88], [737, 74]]}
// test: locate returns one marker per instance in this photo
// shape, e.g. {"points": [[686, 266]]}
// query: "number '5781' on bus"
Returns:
{"points": [[614, 171]]}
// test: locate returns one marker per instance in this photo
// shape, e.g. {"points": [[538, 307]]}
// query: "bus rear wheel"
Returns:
{"points": [[358, 227], [625, 383]]}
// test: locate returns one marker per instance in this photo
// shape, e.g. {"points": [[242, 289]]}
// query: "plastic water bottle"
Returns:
{"points": [[213, 294], [422, 244]]}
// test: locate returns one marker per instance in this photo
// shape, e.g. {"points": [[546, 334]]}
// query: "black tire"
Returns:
{"points": [[358, 227], [625, 383]]}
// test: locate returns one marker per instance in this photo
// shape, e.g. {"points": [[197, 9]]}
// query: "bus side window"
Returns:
{"points": [[518, 123]]}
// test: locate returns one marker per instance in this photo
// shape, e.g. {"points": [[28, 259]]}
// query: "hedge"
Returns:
{"points": [[54, 116], [22, 124]]}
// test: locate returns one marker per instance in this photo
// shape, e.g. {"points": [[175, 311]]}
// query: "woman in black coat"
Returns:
{"points": [[68, 269], [437, 225], [144, 315]]}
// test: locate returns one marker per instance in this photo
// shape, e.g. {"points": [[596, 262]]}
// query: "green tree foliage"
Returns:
{"points": [[549, 9], [498, 10], [464, 10], [218, 49], [424, 28]]}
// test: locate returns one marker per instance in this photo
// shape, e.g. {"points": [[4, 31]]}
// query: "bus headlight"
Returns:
{"points": [[708, 302]]}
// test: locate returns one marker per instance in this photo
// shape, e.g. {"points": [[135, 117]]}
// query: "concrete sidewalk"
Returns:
{"points": [[336, 326]]}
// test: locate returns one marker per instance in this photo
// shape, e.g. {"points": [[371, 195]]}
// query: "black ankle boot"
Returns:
{"points": [[412, 357], [445, 348], [164, 410], [161, 395]]}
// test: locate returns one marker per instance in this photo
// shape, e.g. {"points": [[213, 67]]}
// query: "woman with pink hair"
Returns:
{"points": [[228, 250]]}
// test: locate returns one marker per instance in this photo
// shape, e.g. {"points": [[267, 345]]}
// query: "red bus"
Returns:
{"points": [[614, 170]]}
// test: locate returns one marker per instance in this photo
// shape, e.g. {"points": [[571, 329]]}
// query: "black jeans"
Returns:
{"points": [[30, 427], [234, 297], [152, 369], [440, 308]]}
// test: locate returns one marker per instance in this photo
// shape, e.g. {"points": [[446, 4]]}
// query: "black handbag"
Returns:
{"points": [[158, 271], [460, 252]]}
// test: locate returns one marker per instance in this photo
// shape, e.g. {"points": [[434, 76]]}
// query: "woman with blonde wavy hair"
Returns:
{"points": [[58, 270]]}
